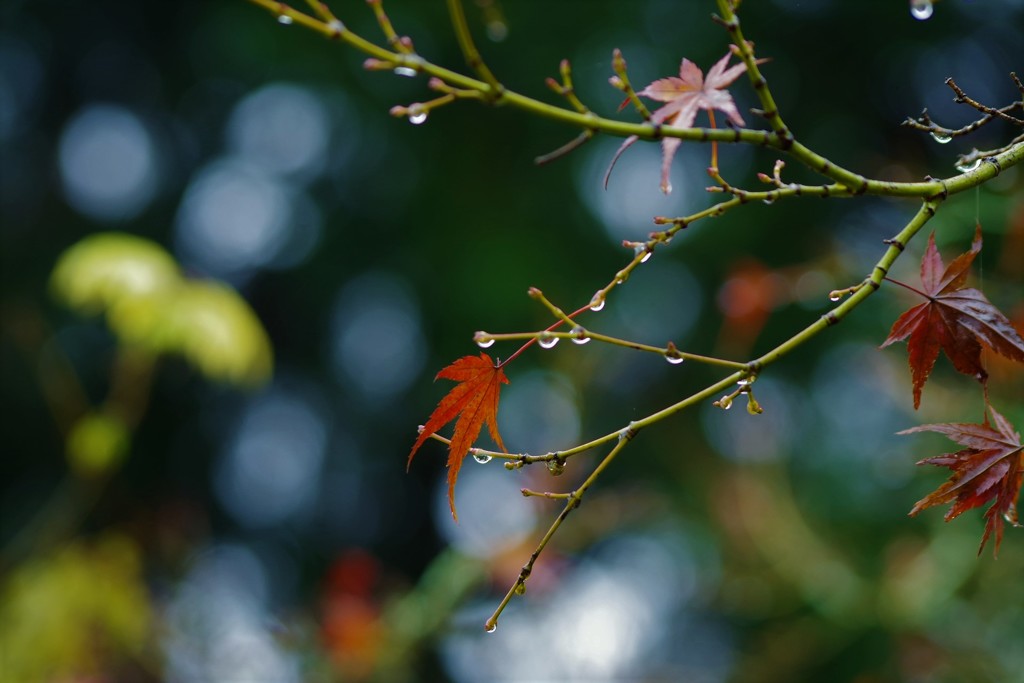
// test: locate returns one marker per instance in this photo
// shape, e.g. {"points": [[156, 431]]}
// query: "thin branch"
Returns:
{"points": [[469, 51], [962, 98], [573, 144], [782, 141]]}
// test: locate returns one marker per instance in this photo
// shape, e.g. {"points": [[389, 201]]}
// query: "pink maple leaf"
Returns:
{"points": [[683, 97]]}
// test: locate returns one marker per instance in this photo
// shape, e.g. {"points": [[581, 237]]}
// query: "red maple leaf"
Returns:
{"points": [[684, 97], [989, 468], [955, 319], [475, 401]]}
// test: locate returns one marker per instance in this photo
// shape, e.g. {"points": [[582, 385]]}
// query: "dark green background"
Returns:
{"points": [[456, 211]]}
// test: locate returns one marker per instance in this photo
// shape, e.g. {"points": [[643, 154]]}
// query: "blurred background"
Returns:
{"points": [[229, 278]]}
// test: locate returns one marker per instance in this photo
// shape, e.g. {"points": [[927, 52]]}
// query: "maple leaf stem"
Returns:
{"points": [[533, 337], [913, 289], [714, 143]]}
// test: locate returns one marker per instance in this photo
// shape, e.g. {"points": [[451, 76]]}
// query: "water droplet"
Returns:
{"points": [[497, 30], [621, 276], [642, 249], [491, 628], [674, 360], [743, 382], [941, 139], [417, 118], [921, 9], [482, 458], [769, 200], [725, 403], [520, 589], [579, 335], [597, 302], [406, 71], [284, 19], [1011, 516], [556, 467], [336, 26], [834, 296], [547, 340], [482, 341], [967, 168]]}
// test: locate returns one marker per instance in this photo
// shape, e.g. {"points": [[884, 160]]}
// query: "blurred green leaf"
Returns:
{"points": [[75, 612], [98, 441], [149, 304], [214, 328], [107, 269]]}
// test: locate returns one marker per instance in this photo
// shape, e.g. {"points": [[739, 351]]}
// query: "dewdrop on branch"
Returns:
{"points": [[483, 340], [579, 335], [547, 340], [672, 354], [417, 114], [921, 9], [967, 167]]}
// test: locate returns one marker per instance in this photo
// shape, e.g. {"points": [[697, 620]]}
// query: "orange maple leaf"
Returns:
{"points": [[475, 401]]}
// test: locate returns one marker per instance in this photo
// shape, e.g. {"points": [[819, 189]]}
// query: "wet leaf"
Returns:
{"points": [[684, 97], [956, 319], [989, 468], [474, 401]]}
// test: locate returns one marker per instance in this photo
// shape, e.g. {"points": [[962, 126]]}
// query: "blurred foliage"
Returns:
{"points": [[81, 611], [148, 303]]}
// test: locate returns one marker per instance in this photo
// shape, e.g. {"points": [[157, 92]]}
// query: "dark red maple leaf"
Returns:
{"points": [[989, 468], [956, 319], [474, 400]]}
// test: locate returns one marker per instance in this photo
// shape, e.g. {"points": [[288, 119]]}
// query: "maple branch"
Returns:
{"points": [[975, 169], [742, 379], [780, 138], [462, 34], [528, 493], [621, 82], [990, 112], [582, 335], [573, 500]]}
